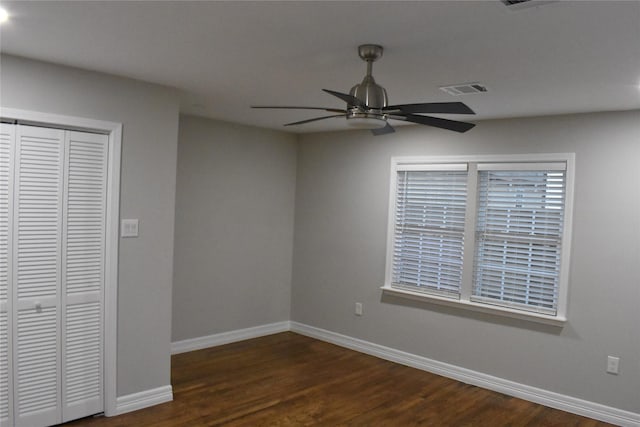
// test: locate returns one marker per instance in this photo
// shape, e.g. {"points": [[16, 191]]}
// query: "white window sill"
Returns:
{"points": [[474, 306]]}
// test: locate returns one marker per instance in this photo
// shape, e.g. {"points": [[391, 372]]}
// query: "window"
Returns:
{"points": [[488, 233]]}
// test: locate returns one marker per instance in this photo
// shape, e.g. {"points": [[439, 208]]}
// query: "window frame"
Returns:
{"points": [[466, 300]]}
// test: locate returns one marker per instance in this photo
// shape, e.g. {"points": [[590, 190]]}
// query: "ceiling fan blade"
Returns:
{"points": [[314, 119], [432, 107], [331, 110], [349, 99], [384, 130], [436, 122]]}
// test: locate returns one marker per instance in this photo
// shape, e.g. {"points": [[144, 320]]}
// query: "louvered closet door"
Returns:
{"points": [[7, 141], [37, 241], [83, 274]]}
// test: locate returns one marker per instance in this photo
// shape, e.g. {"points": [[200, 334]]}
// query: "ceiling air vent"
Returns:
{"points": [[512, 2], [522, 4], [464, 88]]}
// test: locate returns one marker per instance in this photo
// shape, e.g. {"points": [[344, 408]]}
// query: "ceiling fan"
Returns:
{"points": [[367, 105]]}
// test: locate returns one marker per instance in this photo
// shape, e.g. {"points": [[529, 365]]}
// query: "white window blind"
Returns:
{"points": [[429, 229], [519, 232]]}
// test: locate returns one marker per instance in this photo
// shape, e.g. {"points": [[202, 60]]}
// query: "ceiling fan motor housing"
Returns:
{"points": [[373, 95]]}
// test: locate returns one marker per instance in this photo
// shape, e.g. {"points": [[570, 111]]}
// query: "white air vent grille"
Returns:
{"points": [[464, 88], [512, 2]]}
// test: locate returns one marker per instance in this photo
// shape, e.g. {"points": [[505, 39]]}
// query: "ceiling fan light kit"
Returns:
{"points": [[365, 121], [368, 105]]}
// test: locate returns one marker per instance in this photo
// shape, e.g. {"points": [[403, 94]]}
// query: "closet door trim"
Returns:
{"points": [[114, 132]]}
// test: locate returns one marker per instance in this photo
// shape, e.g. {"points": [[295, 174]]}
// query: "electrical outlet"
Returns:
{"points": [[613, 365], [358, 309]]}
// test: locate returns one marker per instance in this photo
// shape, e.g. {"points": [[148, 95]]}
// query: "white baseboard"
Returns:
{"points": [[143, 399], [229, 337], [522, 391]]}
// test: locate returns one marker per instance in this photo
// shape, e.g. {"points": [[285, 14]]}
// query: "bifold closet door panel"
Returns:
{"points": [[7, 141], [37, 241], [83, 274], [53, 187]]}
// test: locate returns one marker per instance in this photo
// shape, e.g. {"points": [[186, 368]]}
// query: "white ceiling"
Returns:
{"points": [[560, 57]]}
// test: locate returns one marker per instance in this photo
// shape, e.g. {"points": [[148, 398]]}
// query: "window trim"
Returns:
{"points": [[476, 162]]}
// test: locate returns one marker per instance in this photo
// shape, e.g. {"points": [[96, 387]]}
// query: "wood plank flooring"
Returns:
{"points": [[291, 380]]}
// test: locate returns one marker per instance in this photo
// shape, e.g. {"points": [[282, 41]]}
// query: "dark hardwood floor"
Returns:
{"points": [[291, 380]]}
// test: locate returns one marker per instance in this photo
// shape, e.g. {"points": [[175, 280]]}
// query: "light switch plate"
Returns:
{"points": [[613, 365], [129, 228]]}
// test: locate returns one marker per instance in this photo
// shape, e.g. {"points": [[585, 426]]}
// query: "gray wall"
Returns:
{"points": [[149, 115], [234, 227], [339, 255]]}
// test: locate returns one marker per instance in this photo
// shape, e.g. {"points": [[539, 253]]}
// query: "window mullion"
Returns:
{"points": [[469, 232]]}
